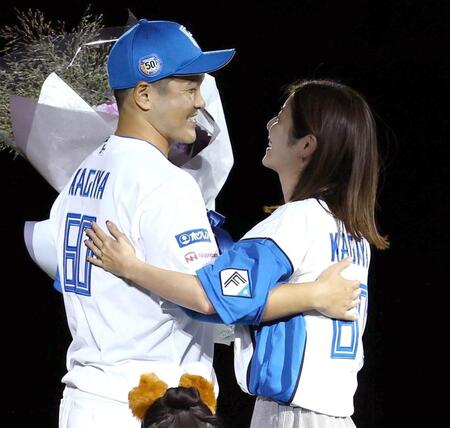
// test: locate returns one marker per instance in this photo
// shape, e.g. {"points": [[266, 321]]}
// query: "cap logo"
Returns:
{"points": [[187, 33], [150, 65]]}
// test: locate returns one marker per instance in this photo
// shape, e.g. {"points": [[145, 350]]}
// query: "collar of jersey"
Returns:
{"points": [[140, 139]]}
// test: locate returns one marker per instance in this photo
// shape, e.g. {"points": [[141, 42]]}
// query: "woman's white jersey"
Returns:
{"points": [[308, 360]]}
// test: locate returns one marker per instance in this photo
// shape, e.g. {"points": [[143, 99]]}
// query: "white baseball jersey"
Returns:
{"points": [[120, 331], [308, 360]]}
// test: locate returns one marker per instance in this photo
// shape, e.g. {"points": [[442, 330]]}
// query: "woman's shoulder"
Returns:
{"points": [[303, 207]]}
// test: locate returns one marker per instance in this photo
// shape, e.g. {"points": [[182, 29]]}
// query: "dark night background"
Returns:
{"points": [[395, 53]]}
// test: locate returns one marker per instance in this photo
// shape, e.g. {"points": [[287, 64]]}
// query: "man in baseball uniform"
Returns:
{"points": [[119, 332]]}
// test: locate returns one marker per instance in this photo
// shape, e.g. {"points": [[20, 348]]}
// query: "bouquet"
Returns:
{"points": [[35, 47], [56, 107]]}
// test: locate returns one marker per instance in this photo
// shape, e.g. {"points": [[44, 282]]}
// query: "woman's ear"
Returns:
{"points": [[142, 95], [308, 145]]}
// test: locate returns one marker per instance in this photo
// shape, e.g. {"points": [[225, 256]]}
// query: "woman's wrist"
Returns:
{"points": [[317, 295], [132, 269]]}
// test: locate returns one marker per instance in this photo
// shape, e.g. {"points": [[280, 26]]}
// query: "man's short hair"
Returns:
{"points": [[120, 95]]}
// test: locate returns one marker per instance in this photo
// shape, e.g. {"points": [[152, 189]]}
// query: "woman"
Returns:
{"points": [[323, 146]]}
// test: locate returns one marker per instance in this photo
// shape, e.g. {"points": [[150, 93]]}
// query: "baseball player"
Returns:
{"points": [[119, 332], [303, 368]]}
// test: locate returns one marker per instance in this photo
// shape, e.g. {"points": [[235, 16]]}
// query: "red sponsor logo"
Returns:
{"points": [[192, 256]]}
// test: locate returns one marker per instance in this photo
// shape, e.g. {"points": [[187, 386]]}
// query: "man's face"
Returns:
{"points": [[176, 103]]}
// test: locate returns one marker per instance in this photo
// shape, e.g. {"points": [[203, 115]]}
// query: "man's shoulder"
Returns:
{"points": [[137, 164], [164, 178], [143, 160], [177, 180]]}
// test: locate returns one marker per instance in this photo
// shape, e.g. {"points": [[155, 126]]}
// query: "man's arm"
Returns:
{"points": [[40, 243]]}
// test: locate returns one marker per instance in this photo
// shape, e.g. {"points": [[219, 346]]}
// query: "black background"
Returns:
{"points": [[395, 53]]}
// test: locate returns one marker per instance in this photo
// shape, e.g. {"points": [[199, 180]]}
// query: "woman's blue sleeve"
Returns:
{"points": [[239, 282]]}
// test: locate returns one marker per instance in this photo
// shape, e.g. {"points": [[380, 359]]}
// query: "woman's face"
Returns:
{"points": [[282, 151]]}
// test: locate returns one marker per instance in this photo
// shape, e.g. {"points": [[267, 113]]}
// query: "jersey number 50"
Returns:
{"points": [[77, 270]]}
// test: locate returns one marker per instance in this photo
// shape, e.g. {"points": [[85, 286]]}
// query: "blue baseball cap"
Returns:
{"points": [[153, 50]]}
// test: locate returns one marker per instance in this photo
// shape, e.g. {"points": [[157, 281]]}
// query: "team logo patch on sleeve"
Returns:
{"points": [[235, 282], [192, 236]]}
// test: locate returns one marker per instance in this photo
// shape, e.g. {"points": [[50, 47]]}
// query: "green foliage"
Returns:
{"points": [[36, 47]]}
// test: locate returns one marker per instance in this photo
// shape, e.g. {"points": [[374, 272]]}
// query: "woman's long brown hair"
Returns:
{"points": [[343, 170]]}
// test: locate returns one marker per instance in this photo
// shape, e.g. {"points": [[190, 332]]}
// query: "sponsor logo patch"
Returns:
{"points": [[235, 282], [192, 256], [192, 236]]}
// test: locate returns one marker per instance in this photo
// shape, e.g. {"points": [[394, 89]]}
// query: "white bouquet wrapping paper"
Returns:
{"points": [[59, 130]]}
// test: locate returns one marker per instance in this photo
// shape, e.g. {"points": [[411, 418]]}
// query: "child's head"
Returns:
{"points": [[179, 407], [190, 404]]}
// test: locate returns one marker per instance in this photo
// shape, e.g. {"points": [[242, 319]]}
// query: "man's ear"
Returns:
{"points": [[308, 145], [142, 94]]}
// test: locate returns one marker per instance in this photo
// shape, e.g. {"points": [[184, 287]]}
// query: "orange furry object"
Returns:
{"points": [[140, 398], [203, 386]]}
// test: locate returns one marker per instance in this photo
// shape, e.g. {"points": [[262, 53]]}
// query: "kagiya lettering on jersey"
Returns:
{"points": [[344, 245], [89, 183]]}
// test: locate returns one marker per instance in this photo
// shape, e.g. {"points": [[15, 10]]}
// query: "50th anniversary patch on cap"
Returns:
{"points": [[150, 65]]}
